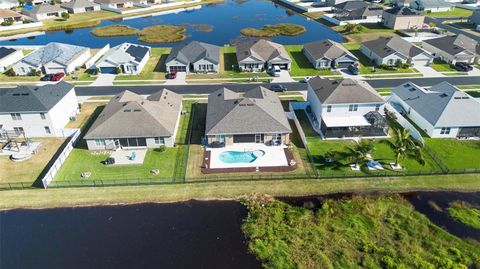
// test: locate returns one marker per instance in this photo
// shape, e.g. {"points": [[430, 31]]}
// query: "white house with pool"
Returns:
{"points": [[249, 130]]}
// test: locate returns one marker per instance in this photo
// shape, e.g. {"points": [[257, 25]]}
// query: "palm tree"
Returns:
{"points": [[404, 145], [359, 153]]}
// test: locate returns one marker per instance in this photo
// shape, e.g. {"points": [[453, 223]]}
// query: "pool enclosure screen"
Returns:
{"points": [[131, 142]]}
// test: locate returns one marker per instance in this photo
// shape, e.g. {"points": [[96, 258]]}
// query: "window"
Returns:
{"points": [[16, 116], [220, 138], [159, 140], [42, 116], [18, 130], [99, 142], [277, 138], [377, 107], [445, 130], [353, 107], [47, 129], [329, 108]]}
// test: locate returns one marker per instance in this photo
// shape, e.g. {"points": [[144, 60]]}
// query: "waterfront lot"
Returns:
{"points": [[456, 154], [154, 69]]}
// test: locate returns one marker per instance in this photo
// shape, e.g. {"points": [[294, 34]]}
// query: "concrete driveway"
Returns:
{"points": [[104, 80], [428, 71], [181, 79], [284, 77]]}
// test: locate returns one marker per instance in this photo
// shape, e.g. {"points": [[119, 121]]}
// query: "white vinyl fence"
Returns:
{"points": [[405, 123], [91, 62]]}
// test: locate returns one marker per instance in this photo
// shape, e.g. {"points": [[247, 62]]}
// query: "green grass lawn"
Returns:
{"points": [[154, 69], [457, 12], [357, 232], [442, 66], [300, 64], [456, 154]]}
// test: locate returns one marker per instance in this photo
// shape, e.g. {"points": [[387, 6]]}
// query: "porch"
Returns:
{"points": [[372, 124]]}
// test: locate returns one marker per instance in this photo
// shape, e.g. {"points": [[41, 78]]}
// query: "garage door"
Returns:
{"points": [[178, 68], [282, 66], [108, 70], [344, 64], [56, 70], [244, 139], [420, 62]]}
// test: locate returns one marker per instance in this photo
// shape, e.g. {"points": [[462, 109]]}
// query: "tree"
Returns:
{"points": [[432, 24], [65, 15], [404, 145], [353, 28], [21, 3], [358, 153]]}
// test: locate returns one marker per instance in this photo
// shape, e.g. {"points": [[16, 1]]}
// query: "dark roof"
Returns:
{"points": [[351, 5], [193, 52], [354, 9], [327, 48], [137, 52], [346, 91], [404, 11], [33, 98], [6, 51], [261, 49], [455, 44], [385, 46]]}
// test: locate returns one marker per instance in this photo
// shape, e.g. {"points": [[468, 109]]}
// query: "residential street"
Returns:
{"points": [[439, 23]]}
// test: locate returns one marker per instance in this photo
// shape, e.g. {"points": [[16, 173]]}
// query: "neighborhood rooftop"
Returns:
{"points": [[327, 48], [78, 4], [193, 52], [45, 8], [442, 104], [125, 53], [4, 51], [455, 44], [385, 46], [258, 111], [33, 98], [261, 50], [403, 11], [347, 91], [130, 115], [56, 52]]}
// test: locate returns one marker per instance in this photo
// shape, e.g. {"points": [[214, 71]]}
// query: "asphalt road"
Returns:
{"points": [[439, 23], [293, 86]]}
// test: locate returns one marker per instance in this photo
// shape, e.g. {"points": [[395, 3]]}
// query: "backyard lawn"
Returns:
{"points": [[457, 12], [456, 154], [154, 69], [29, 170]]}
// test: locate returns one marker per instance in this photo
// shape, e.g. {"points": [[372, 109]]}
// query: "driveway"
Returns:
{"points": [[104, 80], [428, 71], [284, 77], [179, 80]]}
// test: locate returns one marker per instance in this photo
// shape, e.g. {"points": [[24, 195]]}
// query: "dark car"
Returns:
{"points": [[172, 75], [57, 77], [278, 88], [463, 67], [47, 77], [353, 69]]}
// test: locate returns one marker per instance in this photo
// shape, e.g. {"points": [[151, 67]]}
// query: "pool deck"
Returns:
{"points": [[122, 157], [276, 159]]}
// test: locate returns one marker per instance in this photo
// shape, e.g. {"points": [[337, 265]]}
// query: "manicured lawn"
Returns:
{"points": [[442, 66], [300, 64], [29, 170], [457, 12], [87, 109], [358, 232], [154, 69], [456, 154]]}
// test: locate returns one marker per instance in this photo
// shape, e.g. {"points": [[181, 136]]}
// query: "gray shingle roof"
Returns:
{"points": [[258, 111], [60, 53], [385, 46], [442, 105], [327, 48], [33, 98], [125, 53], [193, 52], [351, 5], [357, 9], [130, 115], [6, 51], [78, 4], [455, 44], [430, 4], [44, 8], [260, 49], [403, 11], [347, 91]]}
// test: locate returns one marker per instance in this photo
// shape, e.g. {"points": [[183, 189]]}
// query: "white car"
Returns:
{"points": [[275, 71]]}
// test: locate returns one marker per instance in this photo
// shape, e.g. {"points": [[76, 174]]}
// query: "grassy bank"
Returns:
{"points": [[285, 29], [152, 34], [362, 231], [66, 197], [465, 213]]}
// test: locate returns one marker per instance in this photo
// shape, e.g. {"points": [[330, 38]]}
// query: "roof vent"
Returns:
{"points": [[406, 85], [412, 89], [127, 110]]}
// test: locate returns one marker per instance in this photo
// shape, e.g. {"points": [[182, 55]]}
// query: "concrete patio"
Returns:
{"points": [[123, 157]]}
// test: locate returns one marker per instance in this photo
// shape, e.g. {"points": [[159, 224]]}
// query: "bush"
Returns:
{"points": [[162, 148], [7, 22], [38, 73], [398, 63], [119, 70], [65, 16], [11, 73]]}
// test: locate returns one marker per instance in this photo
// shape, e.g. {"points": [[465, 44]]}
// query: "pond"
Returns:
{"points": [[227, 19], [181, 235]]}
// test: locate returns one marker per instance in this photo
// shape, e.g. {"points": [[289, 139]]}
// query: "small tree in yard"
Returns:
{"points": [[358, 153], [404, 145], [398, 63], [119, 70], [353, 28], [65, 15], [21, 3]]}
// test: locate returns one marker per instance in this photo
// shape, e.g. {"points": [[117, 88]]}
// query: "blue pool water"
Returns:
{"points": [[240, 156]]}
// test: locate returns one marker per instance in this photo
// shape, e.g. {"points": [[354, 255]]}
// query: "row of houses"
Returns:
{"points": [[337, 108]]}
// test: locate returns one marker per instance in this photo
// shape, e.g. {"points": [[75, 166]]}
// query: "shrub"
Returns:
{"points": [[162, 148], [119, 70], [11, 73], [65, 15], [38, 73], [398, 63], [7, 22]]}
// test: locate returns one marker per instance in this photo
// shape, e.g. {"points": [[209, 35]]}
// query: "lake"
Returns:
{"points": [[227, 19]]}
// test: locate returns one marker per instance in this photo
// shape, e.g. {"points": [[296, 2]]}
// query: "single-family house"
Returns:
{"points": [[80, 6], [255, 117], [9, 56], [9, 17], [326, 54], [432, 5], [125, 58], [44, 11], [331, 3], [38, 2], [346, 108], [9, 4], [400, 18], [262, 55], [475, 18], [390, 50], [131, 121], [197, 57], [441, 110], [38, 111], [454, 48], [114, 4], [354, 12], [53, 58], [402, 3]]}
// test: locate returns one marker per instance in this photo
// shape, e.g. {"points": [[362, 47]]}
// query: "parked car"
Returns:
{"points": [[278, 88], [275, 71], [172, 75], [47, 77], [353, 69], [57, 77], [463, 67]]}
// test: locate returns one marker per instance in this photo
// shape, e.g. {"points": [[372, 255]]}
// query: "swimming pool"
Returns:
{"points": [[240, 156]]}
